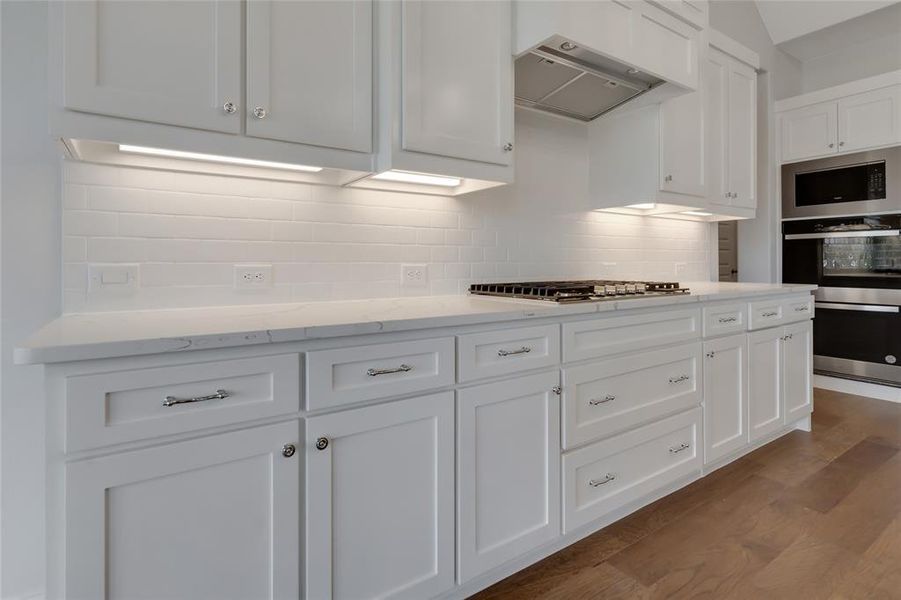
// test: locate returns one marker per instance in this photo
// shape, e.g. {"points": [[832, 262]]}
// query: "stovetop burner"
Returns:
{"points": [[577, 291]]}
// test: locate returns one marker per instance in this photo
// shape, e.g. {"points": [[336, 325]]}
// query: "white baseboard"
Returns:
{"points": [[858, 388]]}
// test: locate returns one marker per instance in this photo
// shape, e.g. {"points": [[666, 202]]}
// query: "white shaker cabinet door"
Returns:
{"points": [[309, 72], [870, 119], [177, 63], [457, 78], [742, 120], [716, 125], [765, 412], [797, 360], [725, 396], [380, 501], [509, 470], [809, 131], [215, 517], [682, 168]]}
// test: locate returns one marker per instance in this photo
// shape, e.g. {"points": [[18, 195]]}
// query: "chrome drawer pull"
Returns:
{"points": [[522, 350], [728, 320], [172, 400], [800, 309], [769, 314], [787, 336], [598, 482], [679, 448], [400, 369], [607, 398], [679, 379]]}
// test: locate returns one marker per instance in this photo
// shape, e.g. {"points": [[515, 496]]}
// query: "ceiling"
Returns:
{"points": [[787, 20]]}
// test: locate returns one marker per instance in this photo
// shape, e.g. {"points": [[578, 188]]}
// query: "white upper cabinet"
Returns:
{"points": [[731, 127], [214, 517], [682, 168], [309, 72], [869, 119], [380, 501], [457, 79], [666, 46], [176, 63], [742, 135], [855, 116], [809, 131], [693, 11]]}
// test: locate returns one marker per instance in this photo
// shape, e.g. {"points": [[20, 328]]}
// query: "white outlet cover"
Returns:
{"points": [[253, 276], [414, 276], [113, 278]]}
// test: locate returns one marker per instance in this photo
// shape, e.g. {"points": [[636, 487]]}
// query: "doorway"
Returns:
{"points": [[728, 250]]}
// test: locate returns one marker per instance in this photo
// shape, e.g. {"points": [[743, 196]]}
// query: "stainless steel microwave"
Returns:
{"points": [[863, 183]]}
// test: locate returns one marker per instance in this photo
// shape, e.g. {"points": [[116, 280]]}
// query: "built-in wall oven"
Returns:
{"points": [[841, 226], [856, 262]]}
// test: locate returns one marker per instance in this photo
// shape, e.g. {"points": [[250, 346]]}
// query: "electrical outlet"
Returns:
{"points": [[116, 278], [253, 277], [681, 267], [414, 275]]}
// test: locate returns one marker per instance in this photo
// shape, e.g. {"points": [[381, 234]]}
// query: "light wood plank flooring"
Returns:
{"points": [[809, 516]]}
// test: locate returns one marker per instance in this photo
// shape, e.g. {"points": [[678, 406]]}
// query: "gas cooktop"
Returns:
{"points": [[592, 290]]}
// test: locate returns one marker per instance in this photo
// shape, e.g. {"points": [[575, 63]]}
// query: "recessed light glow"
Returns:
{"points": [[642, 205], [697, 213], [422, 178], [230, 160]]}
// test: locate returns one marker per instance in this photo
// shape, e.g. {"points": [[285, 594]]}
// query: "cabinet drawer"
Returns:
{"points": [[765, 313], [725, 318], [603, 398], [347, 375], [123, 406], [609, 474], [506, 351], [615, 335], [799, 308]]}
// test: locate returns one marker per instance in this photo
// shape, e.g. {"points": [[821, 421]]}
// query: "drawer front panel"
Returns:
{"points": [[725, 318], [798, 308], [609, 474], [124, 406], [765, 313], [506, 351], [348, 375], [604, 398], [615, 335]]}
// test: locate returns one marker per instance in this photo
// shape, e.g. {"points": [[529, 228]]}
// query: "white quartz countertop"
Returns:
{"points": [[127, 333]]}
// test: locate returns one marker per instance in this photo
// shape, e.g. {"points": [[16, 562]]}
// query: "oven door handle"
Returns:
{"points": [[882, 308], [843, 234]]}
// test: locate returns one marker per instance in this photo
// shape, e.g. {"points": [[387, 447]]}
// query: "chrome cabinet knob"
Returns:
{"points": [[832, 145], [259, 112], [841, 143], [288, 450], [557, 389], [668, 178], [230, 108], [321, 443], [508, 147], [711, 354]]}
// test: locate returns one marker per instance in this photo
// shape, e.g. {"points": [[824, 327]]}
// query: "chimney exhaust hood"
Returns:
{"points": [[562, 78]]}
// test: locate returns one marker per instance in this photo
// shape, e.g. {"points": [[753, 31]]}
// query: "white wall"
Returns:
{"points": [[30, 287], [186, 232], [758, 238], [879, 55]]}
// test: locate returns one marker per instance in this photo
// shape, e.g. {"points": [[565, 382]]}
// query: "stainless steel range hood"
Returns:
{"points": [[564, 79]]}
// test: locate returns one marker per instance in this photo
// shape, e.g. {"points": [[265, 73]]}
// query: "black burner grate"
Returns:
{"points": [[577, 291]]}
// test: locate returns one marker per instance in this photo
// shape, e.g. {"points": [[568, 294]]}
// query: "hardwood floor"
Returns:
{"points": [[810, 515]]}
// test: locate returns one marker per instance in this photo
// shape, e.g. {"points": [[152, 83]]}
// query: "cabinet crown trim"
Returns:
{"points": [[739, 52], [840, 91]]}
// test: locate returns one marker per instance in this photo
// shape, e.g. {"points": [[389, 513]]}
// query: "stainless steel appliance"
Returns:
{"points": [[593, 290], [856, 261], [863, 183]]}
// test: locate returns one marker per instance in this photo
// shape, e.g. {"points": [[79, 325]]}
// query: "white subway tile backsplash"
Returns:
{"points": [[187, 231]]}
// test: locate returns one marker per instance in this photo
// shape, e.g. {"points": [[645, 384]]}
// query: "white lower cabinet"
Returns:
{"points": [[765, 405], [509, 470], [215, 517], [380, 500], [725, 396], [610, 474], [797, 368]]}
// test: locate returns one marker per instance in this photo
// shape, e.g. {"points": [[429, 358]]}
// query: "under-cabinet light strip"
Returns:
{"points": [[231, 160]]}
